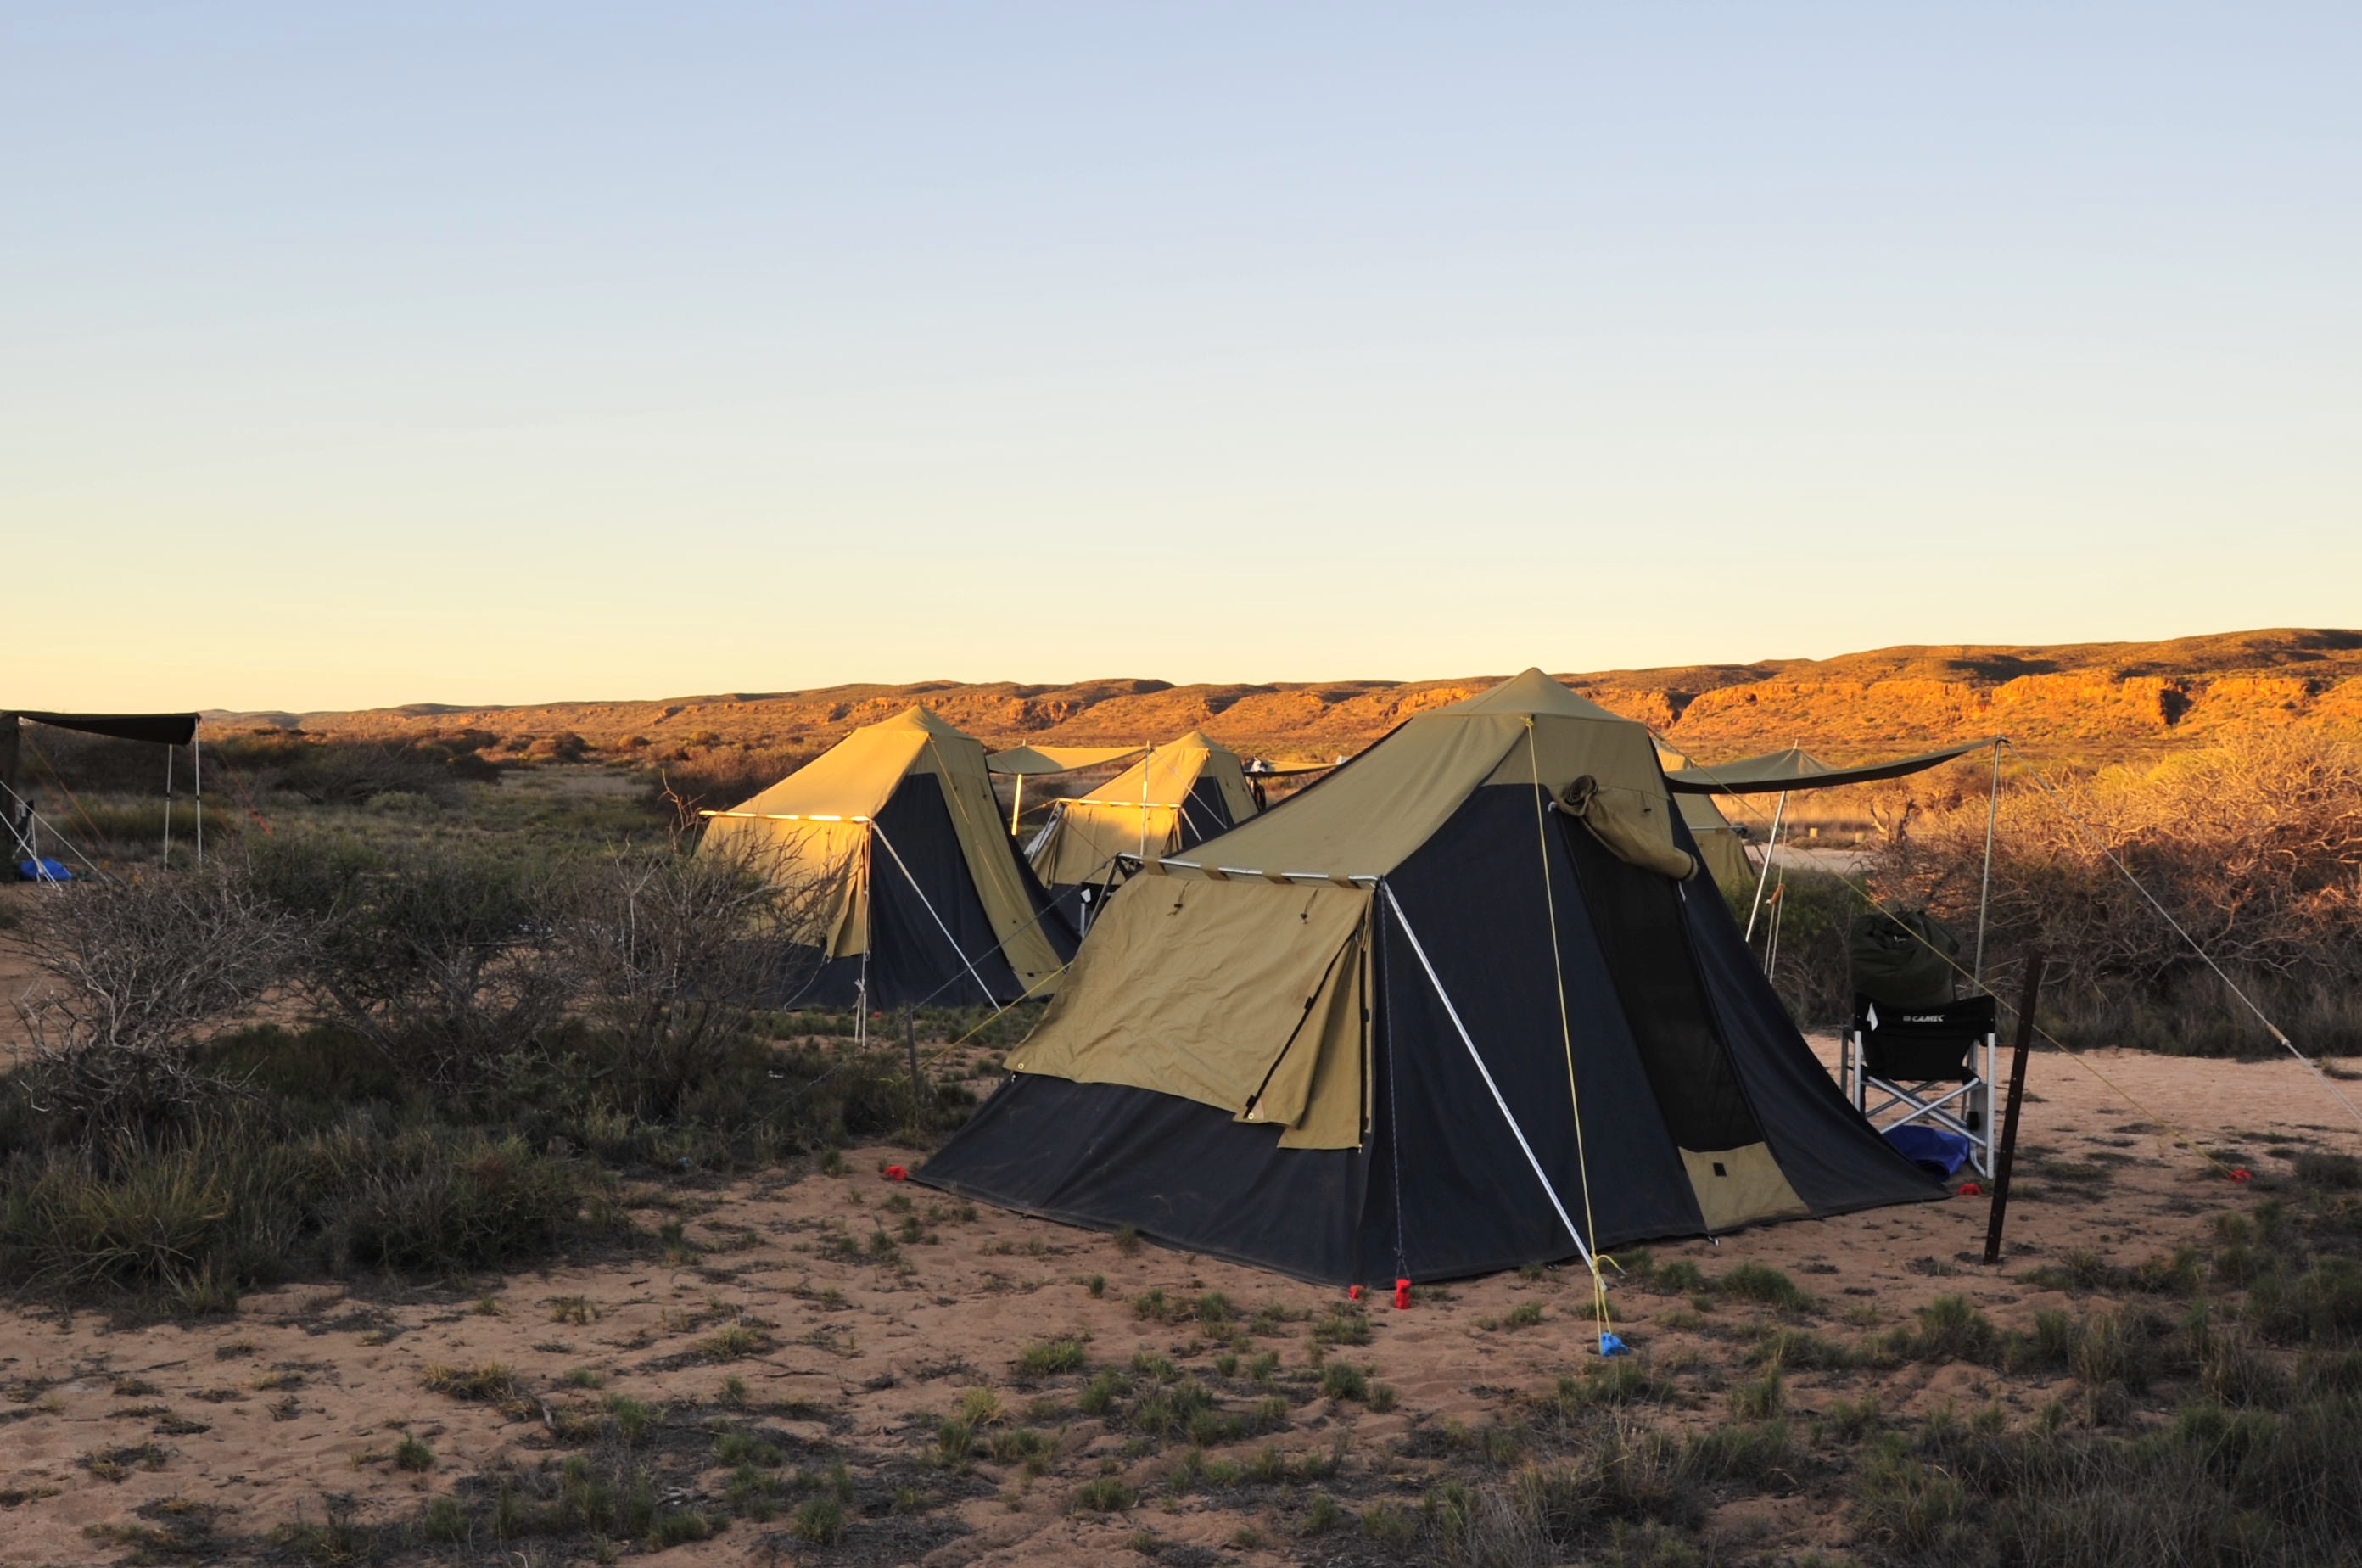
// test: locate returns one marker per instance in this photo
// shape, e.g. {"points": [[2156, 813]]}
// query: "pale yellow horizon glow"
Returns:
{"points": [[520, 354]]}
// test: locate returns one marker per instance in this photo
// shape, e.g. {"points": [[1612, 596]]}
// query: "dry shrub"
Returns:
{"points": [[718, 779], [443, 960], [135, 972], [673, 954], [2253, 846]]}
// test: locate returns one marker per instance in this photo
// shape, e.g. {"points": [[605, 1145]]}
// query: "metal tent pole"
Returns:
{"points": [[1771, 848], [1017, 807], [1984, 890]]}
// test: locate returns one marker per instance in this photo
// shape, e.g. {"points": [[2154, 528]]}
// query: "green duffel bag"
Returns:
{"points": [[1904, 959]]}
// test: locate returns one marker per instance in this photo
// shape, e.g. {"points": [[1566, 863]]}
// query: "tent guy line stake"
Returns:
{"points": [[1487, 1073], [929, 907]]}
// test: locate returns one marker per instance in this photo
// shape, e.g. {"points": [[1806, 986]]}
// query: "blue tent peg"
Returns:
{"points": [[1611, 1344]]}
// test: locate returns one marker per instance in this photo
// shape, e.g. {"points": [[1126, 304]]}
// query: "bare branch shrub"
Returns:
{"points": [[442, 961], [2253, 847], [137, 970], [676, 952], [720, 778]]}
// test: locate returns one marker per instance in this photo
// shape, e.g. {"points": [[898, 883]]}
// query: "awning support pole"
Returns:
{"points": [[1984, 889], [1581, 1247], [1770, 849], [1017, 807]]}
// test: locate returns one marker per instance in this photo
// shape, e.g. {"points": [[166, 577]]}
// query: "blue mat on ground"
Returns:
{"points": [[1933, 1150]]}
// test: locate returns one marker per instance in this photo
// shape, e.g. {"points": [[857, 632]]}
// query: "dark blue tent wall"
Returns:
{"points": [[1438, 1187]]}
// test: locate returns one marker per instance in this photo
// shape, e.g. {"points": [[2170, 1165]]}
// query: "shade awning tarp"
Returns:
{"points": [[1796, 768], [159, 729], [1032, 760]]}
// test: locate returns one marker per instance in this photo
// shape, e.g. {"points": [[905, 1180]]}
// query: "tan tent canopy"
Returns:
{"points": [[1720, 843], [1256, 941], [902, 814], [1180, 794], [1796, 768], [1454, 1007]]}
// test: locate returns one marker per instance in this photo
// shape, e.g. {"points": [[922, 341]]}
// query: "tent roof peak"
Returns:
{"points": [[1532, 692]]}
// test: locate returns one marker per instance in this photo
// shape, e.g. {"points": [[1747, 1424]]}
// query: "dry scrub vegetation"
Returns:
{"points": [[469, 1168], [2253, 847]]}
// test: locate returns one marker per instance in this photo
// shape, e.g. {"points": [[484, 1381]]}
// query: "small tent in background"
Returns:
{"points": [[1455, 1008], [1179, 795], [1020, 763], [930, 904], [1720, 845]]}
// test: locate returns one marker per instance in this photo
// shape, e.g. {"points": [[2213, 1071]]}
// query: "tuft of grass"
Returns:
{"points": [[1390, 1526], [1756, 1282], [1101, 1394], [412, 1454], [735, 1341], [1342, 1380], [1344, 1325], [1105, 1494], [631, 1417], [1045, 1357], [1950, 1328], [819, 1521]]}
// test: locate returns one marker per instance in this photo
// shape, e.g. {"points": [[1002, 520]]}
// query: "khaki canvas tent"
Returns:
{"points": [[1177, 796], [1459, 1006], [1720, 846], [930, 904]]}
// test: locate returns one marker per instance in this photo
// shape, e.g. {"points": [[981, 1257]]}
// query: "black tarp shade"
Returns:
{"points": [[1776, 772], [159, 729]]}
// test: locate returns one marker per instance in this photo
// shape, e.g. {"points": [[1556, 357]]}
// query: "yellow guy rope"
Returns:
{"points": [[1566, 1038]]}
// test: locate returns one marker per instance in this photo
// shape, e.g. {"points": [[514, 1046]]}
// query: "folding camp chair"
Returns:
{"points": [[1931, 1064]]}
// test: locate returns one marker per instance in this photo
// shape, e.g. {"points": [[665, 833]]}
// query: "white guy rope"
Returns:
{"points": [[2126, 871], [931, 915], [1484, 1072]]}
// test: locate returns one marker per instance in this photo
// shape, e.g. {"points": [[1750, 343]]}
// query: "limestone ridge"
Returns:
{"points": [[2097, 698]]}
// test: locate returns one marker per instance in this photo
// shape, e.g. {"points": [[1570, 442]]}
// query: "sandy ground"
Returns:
{"points": [[303, 1393]]}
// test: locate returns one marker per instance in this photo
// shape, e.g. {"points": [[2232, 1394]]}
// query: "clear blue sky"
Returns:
{"points": [[358, 354]]}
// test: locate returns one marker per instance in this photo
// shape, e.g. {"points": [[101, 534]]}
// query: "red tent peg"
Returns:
{"points": [[1971, 1189], [2243, 1173], [1402, 1293], [897, 1173], [1353, 1293]]}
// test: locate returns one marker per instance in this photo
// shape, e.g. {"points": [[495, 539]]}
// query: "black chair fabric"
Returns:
{"points": [[1924, 1043]]}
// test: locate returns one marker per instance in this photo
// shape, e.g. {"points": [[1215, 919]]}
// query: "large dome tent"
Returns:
{"points": [[1462, 1005]]}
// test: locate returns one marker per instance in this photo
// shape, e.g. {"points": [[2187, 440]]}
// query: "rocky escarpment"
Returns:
{"points": [[2093, 699]]}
